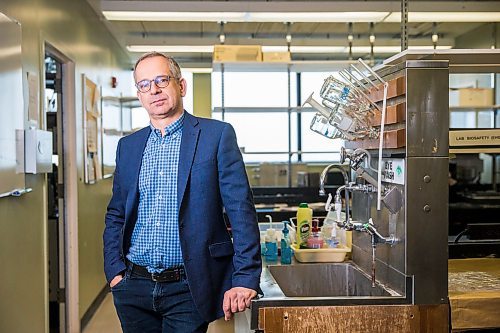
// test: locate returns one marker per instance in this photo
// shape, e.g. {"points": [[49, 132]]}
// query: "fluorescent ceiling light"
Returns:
{"points": [[446, 17], [172, 48], [246, 16], [454, 17], [318, 17], [175, 16], [301, 17]]}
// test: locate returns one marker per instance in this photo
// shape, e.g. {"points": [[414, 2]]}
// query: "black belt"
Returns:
{"points": [[169, 275]]}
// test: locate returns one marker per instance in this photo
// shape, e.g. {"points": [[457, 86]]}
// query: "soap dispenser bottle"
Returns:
{"points": [[315, 241], [286, 250], [271, 253]]}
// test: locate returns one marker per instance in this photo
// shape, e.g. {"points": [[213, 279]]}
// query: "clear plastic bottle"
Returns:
{"points": [[286, 250], [329, 232]]}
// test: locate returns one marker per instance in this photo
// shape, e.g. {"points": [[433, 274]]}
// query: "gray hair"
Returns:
{"points": [[174, 67]]}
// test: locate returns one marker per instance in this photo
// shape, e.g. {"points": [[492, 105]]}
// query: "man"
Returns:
{"points": [[168, 256]]}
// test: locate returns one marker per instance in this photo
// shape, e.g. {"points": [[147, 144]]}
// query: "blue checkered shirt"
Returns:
{"points": [[155, 239]]}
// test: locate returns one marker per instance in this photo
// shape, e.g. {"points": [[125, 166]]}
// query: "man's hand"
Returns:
{"points": [[237, 299], [115, 280]]}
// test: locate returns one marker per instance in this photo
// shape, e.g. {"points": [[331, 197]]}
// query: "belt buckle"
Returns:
{"points": [[169, 275], [154, 277]]}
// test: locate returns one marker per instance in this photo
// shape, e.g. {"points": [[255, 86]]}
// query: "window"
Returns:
{"points": [[256, 104]]}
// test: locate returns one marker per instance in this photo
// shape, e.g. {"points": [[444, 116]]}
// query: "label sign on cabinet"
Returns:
{"points": [[393, 170]]}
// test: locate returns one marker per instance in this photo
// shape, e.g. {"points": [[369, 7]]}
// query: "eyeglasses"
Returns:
{"points": [[161, 81]]}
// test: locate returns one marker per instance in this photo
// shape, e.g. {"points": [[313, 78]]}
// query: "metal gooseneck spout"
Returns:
{"points": [[322, 180]]}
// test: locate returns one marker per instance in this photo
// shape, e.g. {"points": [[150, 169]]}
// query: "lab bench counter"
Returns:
{"points": [[474, 292], [336, 309]]}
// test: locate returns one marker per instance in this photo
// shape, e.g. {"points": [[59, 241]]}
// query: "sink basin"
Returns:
{"points": [[325, 280]]}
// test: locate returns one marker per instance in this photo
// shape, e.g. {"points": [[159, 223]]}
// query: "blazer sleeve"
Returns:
{"points": [[114, 222], [240, 209]]}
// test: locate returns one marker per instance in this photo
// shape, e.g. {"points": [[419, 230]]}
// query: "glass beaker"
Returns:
{"points": [[335, 91], [321, 125]]}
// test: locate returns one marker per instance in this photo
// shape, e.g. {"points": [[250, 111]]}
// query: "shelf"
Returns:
{"points": [[295, 66], [130, 101], [460, 60], [113, 99], [468, 108], [261, 109]]}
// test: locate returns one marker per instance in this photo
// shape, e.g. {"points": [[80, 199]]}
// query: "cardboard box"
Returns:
{"points": [[276, 57], [471, 97], [224, 53]]}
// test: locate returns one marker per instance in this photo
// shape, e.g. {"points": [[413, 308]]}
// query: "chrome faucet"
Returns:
{"points": [[322, 191], [322, 178], [357, 158], [377, 238]]}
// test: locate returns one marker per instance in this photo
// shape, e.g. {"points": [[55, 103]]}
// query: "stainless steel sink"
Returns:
{"points": [[325, 280]]}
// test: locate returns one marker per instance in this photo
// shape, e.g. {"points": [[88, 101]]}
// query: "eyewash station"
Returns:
{"points": [[382, 263]]}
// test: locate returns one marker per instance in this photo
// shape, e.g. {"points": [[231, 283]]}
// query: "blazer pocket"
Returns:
{"points": [[223, 249]]}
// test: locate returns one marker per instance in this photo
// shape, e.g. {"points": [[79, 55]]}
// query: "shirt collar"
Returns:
{"points": [[170, 129]]}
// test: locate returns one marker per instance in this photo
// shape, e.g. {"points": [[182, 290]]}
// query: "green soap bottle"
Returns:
{"points": [[304, 222]]}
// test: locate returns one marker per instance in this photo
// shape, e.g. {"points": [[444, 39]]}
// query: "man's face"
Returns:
{"points": [[160, 102]]}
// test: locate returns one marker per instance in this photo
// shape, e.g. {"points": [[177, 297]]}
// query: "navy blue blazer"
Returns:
{"points": [[211, 176]]}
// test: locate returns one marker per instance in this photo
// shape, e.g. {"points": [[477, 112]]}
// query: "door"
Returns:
{"points": [[59, 114]]}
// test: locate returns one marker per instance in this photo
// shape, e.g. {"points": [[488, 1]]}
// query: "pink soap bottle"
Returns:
{"points": [[315, 241]]}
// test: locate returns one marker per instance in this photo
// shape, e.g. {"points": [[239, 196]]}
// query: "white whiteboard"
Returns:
{"points": [[11, 103]]}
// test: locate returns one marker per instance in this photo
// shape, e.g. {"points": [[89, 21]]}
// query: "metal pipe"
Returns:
{"points": [[363, 76], [346, 75], [299, 117], [371, 70], [289, 131], [374, 247], [381, 146]]}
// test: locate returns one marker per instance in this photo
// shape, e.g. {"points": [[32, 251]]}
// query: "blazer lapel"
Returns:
{"points": [[135, 159], [190, 133]]}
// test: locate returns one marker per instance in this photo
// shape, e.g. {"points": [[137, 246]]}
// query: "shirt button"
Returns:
{"points": [[158, 224], [161, 173], [159, 196]]}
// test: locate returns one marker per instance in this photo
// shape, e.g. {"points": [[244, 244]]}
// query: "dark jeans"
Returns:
{"points": [[164, 307]]}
